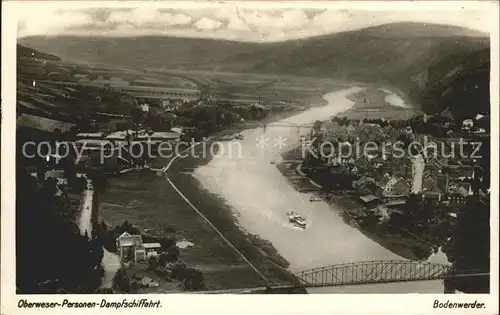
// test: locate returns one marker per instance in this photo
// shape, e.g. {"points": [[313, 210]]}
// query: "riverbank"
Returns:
{"points": [[370, 103], [147, 201], [243, 196], [353, 214], [259, 196]]}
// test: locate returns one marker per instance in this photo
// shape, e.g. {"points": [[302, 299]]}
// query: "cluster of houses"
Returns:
{"points": [[117, 146], [451, 187], [98, 140], [385, 179], [443, 181], [391, 189]]}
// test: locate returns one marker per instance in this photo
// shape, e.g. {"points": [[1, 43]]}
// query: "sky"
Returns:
{"points": [[244, 21]]}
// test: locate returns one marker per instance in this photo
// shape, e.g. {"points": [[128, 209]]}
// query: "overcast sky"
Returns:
{"points": [[241, 21]]}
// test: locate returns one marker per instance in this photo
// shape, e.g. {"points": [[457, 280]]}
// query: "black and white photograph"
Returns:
{"points": [[253, 148]]}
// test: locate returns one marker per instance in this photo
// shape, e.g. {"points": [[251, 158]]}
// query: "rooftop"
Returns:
{"points": [[368, 198], [129, 240], [89, 134], [93, 142], [396, 202], [161, 135], [54, 173], [152, 245]]}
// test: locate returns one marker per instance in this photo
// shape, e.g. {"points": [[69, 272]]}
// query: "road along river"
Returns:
{"points": [[260, 196]]}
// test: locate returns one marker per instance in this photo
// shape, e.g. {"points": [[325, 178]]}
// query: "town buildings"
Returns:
{"points": [[391, 186]]}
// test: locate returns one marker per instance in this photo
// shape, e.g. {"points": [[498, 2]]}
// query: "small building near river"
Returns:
{"points": [[370, 201], [131, 248]]}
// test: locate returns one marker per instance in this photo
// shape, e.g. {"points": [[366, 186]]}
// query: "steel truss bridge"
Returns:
{"points": [[381, 271], [285, 123], [358, 273]]}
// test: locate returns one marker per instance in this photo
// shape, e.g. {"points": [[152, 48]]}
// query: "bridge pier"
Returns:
{"points": [[449, 287]]}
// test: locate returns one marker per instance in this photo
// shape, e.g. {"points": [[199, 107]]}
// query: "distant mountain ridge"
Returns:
{"points": [[189, 53], [27, 52], [416, 58]]}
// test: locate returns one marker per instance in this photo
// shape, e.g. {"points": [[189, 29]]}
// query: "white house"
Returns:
{"points": [[145, 107], [467, 124], [131, 248], [119, 136], [93, 144], [160, 136], [90, 135]]}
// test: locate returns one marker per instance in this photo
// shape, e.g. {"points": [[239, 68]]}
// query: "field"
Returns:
{"points": [[248, 88], [370, 104], [54, 92], [149, 202], [40, 123]]}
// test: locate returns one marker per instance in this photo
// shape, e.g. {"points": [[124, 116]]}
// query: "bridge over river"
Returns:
{"points": [[358, 273]]}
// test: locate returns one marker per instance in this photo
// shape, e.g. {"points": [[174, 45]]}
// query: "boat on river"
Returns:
{"points": [[296, 219], [313, 199], [236, 136]]}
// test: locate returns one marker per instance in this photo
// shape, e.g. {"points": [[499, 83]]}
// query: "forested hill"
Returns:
{"points": [[26, 52], [419, 59], [460, 82]]}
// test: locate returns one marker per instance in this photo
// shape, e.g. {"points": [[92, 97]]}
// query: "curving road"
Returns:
{"points": [[110, 261], [84, 223], [418, 172]]}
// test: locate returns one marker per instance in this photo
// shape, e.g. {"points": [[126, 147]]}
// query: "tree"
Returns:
{"points": [[68, 164], [469, 247], [172, 254], [178, 271], [162, 261], [152, 263], [404, 140], [436, 130], [194, 280], [167, 242], [121, 281], [41, 167], [137, 115], [76, 269]]}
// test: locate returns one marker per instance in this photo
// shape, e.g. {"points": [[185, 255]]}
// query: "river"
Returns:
{"points": [[260, 196]]}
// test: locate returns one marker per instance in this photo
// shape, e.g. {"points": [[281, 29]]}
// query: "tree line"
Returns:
{"points": [[51, 254]]}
